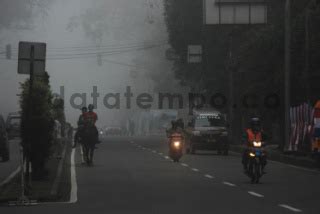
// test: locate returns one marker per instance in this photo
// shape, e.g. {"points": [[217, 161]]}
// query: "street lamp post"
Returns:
{"points": [[287, 72]]}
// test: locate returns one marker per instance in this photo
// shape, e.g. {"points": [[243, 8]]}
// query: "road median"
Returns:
{"points": [[54, 187]]}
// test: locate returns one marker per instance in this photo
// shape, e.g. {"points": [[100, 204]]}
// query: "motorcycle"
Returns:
{"points": [[175, 146], [256, 156]]}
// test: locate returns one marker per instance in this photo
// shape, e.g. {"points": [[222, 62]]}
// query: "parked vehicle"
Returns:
{"points": [[4, 143], [207, 131], [13, 125]]}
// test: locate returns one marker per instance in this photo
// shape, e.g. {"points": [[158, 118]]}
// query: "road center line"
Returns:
{"points": [[290, 208], [185, 165], [195, 170], [209, 176], [229, 184], [166, 157], [256, 194]]}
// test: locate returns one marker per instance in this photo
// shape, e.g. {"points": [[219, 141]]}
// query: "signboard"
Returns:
{"points": [[32, 55], [235, 12], [194, 54]]}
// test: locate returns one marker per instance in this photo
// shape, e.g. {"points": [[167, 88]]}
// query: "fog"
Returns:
{"points": [[130, 35]]}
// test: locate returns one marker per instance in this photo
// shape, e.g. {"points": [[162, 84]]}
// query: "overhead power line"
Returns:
{"points": [[80, 55]]}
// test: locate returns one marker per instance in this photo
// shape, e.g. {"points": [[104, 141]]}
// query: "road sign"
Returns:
{"points": [[235, 12], [194, 54], [32, 56]]}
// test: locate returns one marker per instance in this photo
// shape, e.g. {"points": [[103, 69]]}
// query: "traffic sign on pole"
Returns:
{"points": [[32, 53]]}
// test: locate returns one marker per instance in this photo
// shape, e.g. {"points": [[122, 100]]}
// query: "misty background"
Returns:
{"points": [[129, 35]]}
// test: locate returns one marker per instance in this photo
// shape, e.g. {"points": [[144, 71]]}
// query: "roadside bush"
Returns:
{"points": [[37, 130]]}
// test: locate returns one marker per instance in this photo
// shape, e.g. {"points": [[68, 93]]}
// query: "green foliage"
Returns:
{"points": [[257, 54], [37, 123]]}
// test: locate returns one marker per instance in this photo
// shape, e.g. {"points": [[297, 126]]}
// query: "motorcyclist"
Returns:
{"points": [[176, 128], [90, 119], [254, 133], [80, 124], [180, 123]]}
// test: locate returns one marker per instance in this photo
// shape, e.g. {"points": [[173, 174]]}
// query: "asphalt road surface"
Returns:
{"points": [[134, 175], [11, 167]]}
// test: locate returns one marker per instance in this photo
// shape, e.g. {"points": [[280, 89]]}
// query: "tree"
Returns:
{"points": [[19, 13], [37, 123]]}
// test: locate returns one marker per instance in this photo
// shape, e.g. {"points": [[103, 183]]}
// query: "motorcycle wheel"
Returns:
{"points": [[251, 173], [257, 173], [188, 151], [192, 150]]}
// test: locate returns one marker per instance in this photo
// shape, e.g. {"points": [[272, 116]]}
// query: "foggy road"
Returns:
{"points": [[134, 175]]}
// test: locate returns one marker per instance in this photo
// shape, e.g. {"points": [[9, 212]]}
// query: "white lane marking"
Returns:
{"points": [[74, 186], [160, 153], [185, 165], [143, 148], [166, 157], [229, 184], [195, 170], [209, 176], [290, 208], [154, 151], [256, 194], [10, 177]]}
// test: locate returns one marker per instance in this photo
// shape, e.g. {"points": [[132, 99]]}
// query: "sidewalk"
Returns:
{"points": [[54, 188], [276, 155]]}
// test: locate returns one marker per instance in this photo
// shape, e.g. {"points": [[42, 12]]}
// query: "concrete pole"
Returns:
{"points": [[287, 69]]}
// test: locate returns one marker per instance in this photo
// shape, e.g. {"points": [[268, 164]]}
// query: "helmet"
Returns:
{"points": [[84, 108], [255, 123], [90, 107]]}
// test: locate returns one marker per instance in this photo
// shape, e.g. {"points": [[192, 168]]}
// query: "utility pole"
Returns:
{"points": [[287, 69], [307, 55], [231, 99]]}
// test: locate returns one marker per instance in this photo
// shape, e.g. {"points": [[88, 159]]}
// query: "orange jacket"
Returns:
{"points": [[253, 136]]}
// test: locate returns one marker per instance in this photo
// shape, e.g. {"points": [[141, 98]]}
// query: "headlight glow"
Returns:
{"points": [[176, 144], [252, 155], [257, 144]]}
